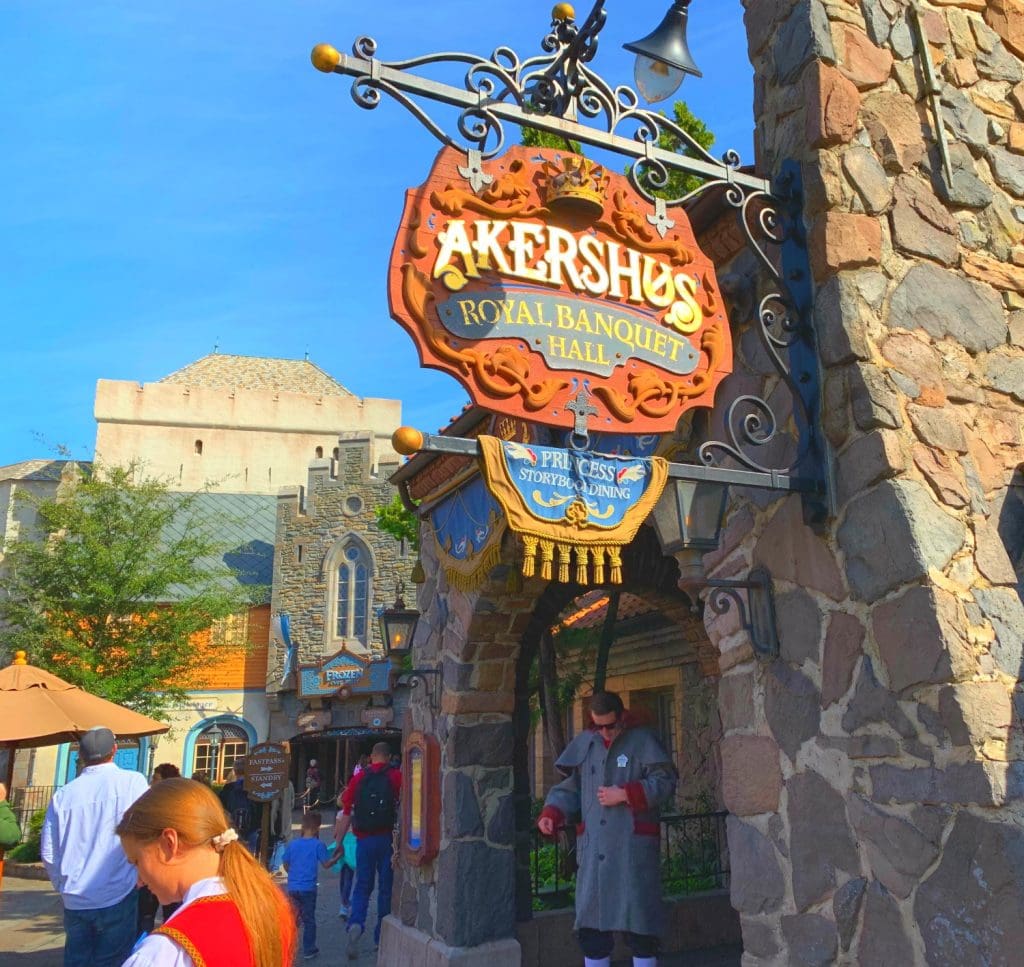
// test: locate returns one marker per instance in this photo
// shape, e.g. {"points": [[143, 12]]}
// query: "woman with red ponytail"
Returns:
{"points": [[232, 914]]}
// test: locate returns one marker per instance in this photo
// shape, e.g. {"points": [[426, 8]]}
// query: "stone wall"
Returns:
{"points": [[340, 500], [874, 771]]}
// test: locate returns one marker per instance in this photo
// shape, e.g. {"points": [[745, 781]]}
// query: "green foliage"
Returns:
{"points": [[27, 851], [113, 597], [680, 184], [535, 138], [396, 520]]}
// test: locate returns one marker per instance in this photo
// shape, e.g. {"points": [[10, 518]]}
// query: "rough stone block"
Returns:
{"points": [[759, 939], [868, 177], [893, 534], [896, 849], [811, 938], [846, 904], [975, 712], [990, 553], [793, 552], [792, 707], [1005, 612], [1006, 18], [841, 240], [467, 871], [840, 320], [974, 900], [863, 63], [940, 428], [867, 460], [751, 777], [843, 643], [822, 847], [736, 701], [833, 104], [799, 621], [480, 745], [919, 638], [804, 36], [896, 130], [872, 400], [756, 884], [944, 304], [461, 811], [945, 477], [872, 704], [921, 225], [884, 939], [1005, 372]]}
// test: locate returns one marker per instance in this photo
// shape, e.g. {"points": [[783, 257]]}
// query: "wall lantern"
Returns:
{"points": [[215, 735], [397, 626], [663, 57], [688, 521]]}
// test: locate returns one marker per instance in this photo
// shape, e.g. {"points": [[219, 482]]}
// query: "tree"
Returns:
{"points": [[398, 521], [113, 598], [680, 184]]}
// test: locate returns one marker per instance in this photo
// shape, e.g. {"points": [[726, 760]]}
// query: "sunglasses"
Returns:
{"points": [[607, 727]]}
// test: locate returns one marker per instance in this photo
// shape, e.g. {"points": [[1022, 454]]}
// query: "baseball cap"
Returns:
{"points": [[96, 745]]}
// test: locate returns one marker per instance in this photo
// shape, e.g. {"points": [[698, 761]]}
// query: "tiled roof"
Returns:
{"points": [[37, 470], [243, 525], [222, 371], [589, 610]]}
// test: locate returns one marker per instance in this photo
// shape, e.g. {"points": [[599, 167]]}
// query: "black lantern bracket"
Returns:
{"points": [[427, 678], [756, 608]]}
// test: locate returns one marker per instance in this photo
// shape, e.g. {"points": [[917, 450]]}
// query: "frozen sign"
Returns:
{"points": [[540, 275]]}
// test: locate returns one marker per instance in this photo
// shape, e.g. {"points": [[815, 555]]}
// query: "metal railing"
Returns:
{"points": [[28, 799], [694, 859]]}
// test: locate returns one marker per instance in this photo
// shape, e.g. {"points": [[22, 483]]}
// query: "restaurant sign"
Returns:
{"points": [[555, 293]]}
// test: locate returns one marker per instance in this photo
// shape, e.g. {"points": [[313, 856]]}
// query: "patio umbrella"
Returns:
{"points": [[37, 708]]}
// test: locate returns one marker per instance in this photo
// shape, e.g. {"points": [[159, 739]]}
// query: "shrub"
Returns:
{"points": [[27, 851]]}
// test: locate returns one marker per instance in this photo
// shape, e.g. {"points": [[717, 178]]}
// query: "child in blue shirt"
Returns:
{"points": [[300, 859]]}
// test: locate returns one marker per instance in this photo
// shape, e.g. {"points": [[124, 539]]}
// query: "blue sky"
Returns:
{"points": [[177, 176]]}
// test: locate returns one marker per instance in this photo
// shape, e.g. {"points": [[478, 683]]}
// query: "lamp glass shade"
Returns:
{"points": [[397, 626], [656, 80], [689, 515], [215, 735], [663, 56]]}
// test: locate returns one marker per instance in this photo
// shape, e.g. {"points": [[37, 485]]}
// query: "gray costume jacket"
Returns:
{"points": [[618, 884]]}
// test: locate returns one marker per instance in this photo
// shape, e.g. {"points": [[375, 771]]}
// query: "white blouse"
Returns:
{"points": [[156, 950]]}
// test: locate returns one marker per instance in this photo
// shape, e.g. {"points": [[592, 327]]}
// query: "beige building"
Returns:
{"points": [[239, 424]]}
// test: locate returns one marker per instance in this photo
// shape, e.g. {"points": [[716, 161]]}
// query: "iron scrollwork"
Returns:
{"points": [[555, 92], [757, 612]]}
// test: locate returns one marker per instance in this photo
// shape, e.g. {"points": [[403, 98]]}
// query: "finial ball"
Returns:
{"points": [[407, 440], [563, 11], [325, 58]]}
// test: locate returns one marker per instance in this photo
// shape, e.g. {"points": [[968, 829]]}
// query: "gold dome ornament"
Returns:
{"points": [[563, 12], [325, 58], [407, 440]]}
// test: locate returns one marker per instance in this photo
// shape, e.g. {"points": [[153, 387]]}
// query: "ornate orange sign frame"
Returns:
{"points": [[555, 293]]}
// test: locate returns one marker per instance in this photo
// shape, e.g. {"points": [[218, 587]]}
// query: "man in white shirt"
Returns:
{"points": [[83, 856]]}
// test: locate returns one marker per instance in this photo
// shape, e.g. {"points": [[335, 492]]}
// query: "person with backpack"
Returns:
{"points": [[240, 808], [369, 805]]}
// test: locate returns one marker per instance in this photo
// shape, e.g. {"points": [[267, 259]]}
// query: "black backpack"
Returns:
{"points": [[375, 802]]}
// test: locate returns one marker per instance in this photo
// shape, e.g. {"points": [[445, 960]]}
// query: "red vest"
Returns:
{"points": [[210, 931]]}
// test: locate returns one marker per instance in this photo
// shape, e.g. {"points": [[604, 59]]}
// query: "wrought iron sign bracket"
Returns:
{"points": [[424, 677], [757, 612]]}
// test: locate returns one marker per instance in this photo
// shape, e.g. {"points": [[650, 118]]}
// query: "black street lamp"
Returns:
{"points": [[663, 57], [214, 735], [397, 626]]}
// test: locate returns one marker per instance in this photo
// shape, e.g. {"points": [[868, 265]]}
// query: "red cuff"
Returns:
{"points": [[636, 798], [554, 814]]}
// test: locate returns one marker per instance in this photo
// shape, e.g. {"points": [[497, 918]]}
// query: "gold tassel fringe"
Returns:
{"points": [[547, 559], [564, 556], [616, 571], [529, 556], [581, 565]]}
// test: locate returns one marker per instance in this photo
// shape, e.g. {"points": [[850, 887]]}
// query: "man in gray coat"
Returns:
{"points": [[618, 776]]}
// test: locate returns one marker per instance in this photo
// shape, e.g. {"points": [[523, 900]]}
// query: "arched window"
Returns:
{"points": [[217, 757], [352, 598], [197, 448], [319, 452]]}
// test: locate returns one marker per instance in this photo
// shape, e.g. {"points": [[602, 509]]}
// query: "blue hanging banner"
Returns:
{"points": [[566, 502]]}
